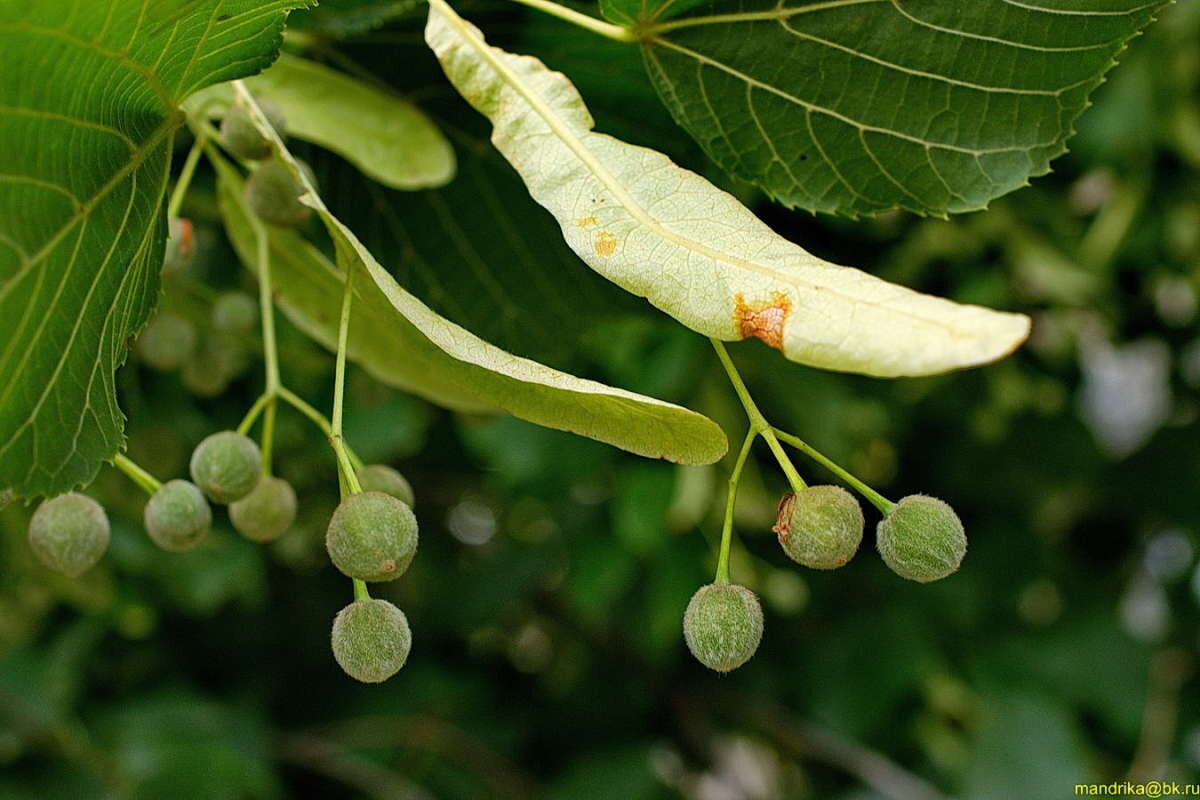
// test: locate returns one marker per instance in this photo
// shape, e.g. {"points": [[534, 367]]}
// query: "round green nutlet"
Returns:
{"points": [[235, 312], [820, 527], [69, 533], [167, 341], [181, 245], [723, 625], [372, 536], [267, 512], [177, 516], [240, 136], [371, 640], [226, 466], [274, 196], [922, 539], [382, 478]]}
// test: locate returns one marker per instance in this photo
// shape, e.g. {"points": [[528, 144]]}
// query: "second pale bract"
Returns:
{"points": [[694, 251]]}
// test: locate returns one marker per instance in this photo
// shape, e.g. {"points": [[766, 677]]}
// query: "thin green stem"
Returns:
{"points": [[877, 500], [251, 415], [758, 423], [339, 374], [360, 590], [185, 176], [148, 483], [266, 305], [730, 502], [295, 401], [606, 29], [268, 436]]}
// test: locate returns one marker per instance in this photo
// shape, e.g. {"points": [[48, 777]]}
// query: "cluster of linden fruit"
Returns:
{"points": [[821, 527]]}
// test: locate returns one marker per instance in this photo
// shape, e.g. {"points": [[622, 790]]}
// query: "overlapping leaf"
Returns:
{"points": [[853, 106], [88, 97], [694, 251], [402, 342]]}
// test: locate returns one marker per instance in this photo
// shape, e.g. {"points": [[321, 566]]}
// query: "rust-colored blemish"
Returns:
{"points": [[185, 236], [586, 222], [389, 566], [783, 517], [763, 319], [606, 243]]}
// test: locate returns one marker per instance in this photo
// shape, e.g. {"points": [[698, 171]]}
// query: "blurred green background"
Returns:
{"points": [[553, 571]]}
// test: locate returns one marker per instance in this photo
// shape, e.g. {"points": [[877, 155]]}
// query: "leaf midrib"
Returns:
{"points": [[563, 132]]}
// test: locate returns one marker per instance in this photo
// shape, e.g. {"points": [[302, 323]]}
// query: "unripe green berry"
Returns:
{"points": [[69, 533], [723, 625], [382, 478], [372, 536], [922, 539], [274, 196], [820, 527], [240, 136], [167, 341], [267, 512], [226, 466], [235, 312], [177, 516], [371, 640], [181, 245]]}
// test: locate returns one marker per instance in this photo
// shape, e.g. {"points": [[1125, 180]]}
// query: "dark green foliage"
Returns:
{"points": [[371, 640], [69, 533], [240, 136], [167, 342], [372, 536], [267, 512], [226, 466], [723, 625], [177, 517], [273, 195], [922, 539], [820, 527], [382, 478]]}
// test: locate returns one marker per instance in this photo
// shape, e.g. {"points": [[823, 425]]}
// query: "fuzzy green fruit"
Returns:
{"points": [[267, 512], [372, 536], [181, 246], [167, 341], [240, 136], [274, 196], [820, 527], [382, 478], [922, 539], [235, 312], [177, 516], [723, 625], [226, 466], [69, 533], [371, 640]]}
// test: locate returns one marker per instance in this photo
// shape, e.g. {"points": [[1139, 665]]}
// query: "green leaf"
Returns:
{"points": [[856, 106], [383, 134], [401, 342], [695, 252], [88, 97]]}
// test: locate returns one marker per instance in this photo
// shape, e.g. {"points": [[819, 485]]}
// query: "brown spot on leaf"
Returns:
{"points": [[586, 222], [763, 319], [606, 243]]}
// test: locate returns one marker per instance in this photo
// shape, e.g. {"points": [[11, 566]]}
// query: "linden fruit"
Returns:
{"points": [[167, 341], [371, 640], [235, 312], [241, 137], [226, 466], [382, 478], [69, 533], [267, 512], [820, 527], [922, 539], [372, 536], [177, 516], [723, 625], [274, 196]]}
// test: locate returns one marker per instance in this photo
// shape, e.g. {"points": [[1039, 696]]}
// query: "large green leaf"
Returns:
{"points": [[383, 134], [852, 106], [667, 234], [88, 98], [400, 341]]}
